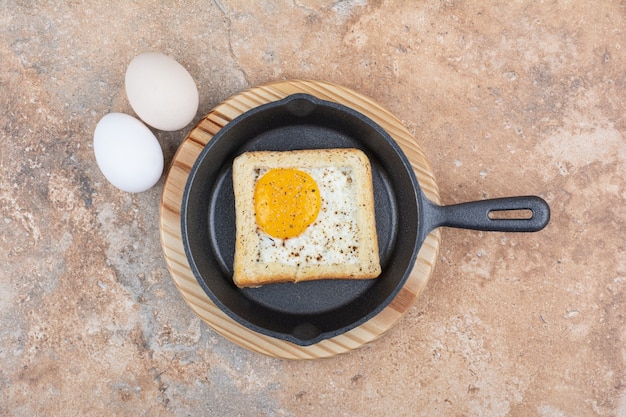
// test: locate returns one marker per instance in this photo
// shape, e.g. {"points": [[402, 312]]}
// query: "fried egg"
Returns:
{"points": [[306, 215]]}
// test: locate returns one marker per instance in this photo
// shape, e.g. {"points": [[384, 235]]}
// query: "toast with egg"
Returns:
{"points": [[304, 215]]}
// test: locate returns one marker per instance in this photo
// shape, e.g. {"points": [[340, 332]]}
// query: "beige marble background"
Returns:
{"points": [[505, 98]]}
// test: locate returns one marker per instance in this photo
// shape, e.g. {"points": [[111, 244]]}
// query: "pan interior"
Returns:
{"points": [[306, 312]]}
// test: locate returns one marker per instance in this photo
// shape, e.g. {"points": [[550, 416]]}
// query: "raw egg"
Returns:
{"points": [[161, 91], [127, 152]]}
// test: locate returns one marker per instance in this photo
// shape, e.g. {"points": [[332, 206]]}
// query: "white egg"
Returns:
{"points": [[127, 152], [161, 91]]}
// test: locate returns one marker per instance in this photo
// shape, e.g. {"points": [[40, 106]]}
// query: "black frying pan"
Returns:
{"points": [[308, 312]]}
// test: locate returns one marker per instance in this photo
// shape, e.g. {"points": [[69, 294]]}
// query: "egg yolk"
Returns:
{"points": [[286, 202]]}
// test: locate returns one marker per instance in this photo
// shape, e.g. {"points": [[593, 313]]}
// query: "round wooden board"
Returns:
{"points": [[174, 252]]}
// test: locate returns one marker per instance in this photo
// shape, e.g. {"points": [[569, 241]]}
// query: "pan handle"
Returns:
{"points": [[529, 214]]}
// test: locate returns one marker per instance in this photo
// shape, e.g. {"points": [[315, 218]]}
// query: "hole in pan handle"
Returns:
{"points": [[490, 215]]}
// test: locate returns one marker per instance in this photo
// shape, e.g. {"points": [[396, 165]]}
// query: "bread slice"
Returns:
{"points": [[340, 244]]}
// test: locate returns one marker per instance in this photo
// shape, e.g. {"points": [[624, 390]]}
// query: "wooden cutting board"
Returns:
{"points": [[174, 252]]}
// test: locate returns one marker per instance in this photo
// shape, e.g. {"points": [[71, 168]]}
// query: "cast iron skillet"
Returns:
{"points": [[308, 312]]}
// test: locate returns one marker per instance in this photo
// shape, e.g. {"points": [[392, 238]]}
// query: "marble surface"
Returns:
{"points": [[505, 98]]}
